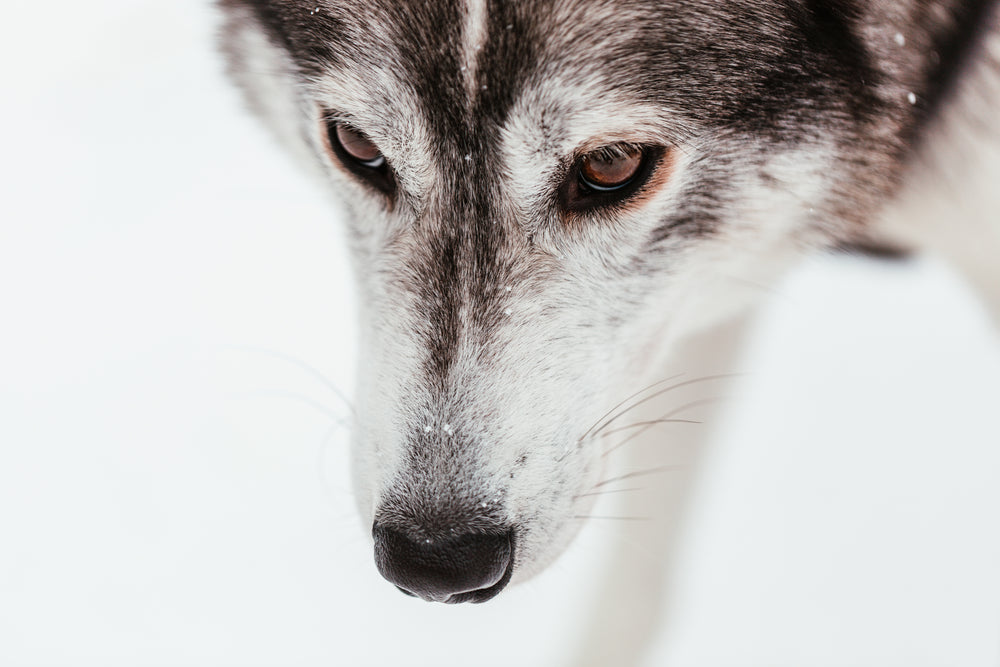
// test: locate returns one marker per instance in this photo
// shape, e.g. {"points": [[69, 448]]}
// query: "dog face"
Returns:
{"points": [[542, 195]]}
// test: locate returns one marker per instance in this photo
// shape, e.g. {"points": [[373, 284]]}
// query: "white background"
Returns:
{"points": [[171, 491]]}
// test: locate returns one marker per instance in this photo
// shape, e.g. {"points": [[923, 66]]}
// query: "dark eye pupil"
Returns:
{"points": [[358, 146], [609, 172]]}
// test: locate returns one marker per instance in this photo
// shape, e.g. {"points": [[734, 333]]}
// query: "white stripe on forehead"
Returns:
{"points": [[473, 37]]}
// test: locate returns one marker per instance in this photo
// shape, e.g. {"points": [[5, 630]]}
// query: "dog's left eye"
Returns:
{"points": [[608, 176], [360, 155], [603, 172]]}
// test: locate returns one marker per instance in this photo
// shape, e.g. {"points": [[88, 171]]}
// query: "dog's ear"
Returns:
{"points": [[956, 33], [918, 50], [263, 69]]}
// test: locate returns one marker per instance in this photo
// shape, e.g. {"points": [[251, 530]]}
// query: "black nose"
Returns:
{"points": [[465, 568]]}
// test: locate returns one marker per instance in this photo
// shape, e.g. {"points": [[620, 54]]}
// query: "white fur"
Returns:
{"points": [[473, 37]]}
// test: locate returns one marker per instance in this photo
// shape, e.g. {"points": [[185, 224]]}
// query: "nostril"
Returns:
{"points": [[465, 568]]}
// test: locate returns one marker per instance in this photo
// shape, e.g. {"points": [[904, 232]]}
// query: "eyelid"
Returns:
{"points": [[605, 188]]}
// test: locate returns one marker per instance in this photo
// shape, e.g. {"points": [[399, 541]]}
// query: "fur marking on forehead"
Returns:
{"points": [[472, 42]]}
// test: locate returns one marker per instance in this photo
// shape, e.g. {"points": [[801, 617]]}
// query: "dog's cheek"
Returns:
{"points": [[546, 502]]}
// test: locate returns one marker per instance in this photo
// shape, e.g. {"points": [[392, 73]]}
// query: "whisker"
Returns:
{"points": [[623, 402], [324, 483], [767, 288], [651, 422], [606, 492], [633, 475], [661, 392], [339, 420], [664, 418], [308, 368]]}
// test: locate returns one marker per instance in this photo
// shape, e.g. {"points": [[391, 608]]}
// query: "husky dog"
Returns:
{"points": [[546, 198]]}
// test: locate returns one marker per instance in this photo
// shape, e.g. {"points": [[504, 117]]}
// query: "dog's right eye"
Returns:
{"points": [[358, 146], [360, 155]]}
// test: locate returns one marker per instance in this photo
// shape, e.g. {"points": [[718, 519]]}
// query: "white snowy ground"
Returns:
{"points": [[166, 496]]}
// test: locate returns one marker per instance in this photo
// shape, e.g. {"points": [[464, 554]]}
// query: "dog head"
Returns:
{"points": [[540, 196]]}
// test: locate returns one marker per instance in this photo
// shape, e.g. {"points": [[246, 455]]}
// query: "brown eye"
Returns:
{"points": [[609, 176], [608, 170], [358, 146], [359, 155]]}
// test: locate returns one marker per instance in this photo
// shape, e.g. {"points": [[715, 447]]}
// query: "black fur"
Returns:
{"points": [[950, 50]]}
